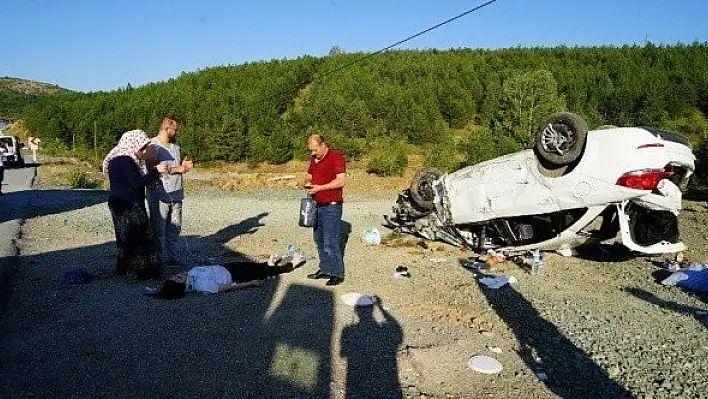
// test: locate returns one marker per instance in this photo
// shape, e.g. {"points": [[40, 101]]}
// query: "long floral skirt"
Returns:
{"points": [[137, 253]]}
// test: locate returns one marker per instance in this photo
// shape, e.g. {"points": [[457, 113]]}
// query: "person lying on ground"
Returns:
{"points": [[230, 276]]}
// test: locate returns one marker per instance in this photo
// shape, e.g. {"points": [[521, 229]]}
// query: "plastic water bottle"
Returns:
{"points": [[537, 266], [292, 249]]}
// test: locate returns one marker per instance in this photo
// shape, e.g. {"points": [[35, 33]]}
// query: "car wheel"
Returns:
{"points": [[561, 138], [422, 191]]}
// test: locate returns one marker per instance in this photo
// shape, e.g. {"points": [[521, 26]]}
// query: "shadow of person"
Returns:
{"points": [[346, 232], [246, 226], [370, 348], [544, 349], [673, 306], [213, 247], [299, 333]]}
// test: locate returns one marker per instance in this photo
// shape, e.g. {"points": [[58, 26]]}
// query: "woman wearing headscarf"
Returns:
{"points": [[137, 254]]}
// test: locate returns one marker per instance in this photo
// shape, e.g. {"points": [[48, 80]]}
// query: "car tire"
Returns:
{"points": [[560, 139], [422, 191]]}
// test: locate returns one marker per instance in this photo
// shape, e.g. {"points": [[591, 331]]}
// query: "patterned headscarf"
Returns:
{"points": [[129, 143]]}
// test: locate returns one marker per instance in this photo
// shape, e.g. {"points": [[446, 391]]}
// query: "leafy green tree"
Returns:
{"points": [[527, 98], [484, 145], [389, 157]]}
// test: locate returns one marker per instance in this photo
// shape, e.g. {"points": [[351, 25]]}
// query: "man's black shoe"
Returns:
{"points": [[334, 281], [317, 275]]}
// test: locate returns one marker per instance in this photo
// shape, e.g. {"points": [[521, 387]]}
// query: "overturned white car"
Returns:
{"points": [[573, 188]]}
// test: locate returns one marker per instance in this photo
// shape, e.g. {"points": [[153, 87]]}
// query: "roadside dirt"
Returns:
{"points": [[584, 329]]}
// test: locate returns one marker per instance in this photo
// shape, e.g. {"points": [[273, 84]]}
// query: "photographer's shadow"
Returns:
{"points": [[370, 348]]}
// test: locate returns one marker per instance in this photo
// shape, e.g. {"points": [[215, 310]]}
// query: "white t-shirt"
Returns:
{"points": [[207, 278]]}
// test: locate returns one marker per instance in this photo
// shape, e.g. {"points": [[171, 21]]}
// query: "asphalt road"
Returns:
{"points": [[14, 204]]}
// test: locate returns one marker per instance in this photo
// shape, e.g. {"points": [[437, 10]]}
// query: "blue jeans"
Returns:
{"points": [[328, 238], [166, 221]]}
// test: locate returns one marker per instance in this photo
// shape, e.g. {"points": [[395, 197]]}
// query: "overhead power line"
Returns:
{"points": [[411, 37]]}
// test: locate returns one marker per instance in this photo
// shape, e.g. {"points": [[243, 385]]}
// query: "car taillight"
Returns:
{"points": [[643, 179]]}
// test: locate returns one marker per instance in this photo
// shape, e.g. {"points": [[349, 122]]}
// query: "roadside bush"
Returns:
{"points": [[274, 148], [388, 157], [485, 145], [53, 147], [443, 154], [80, 179], [700, 177]]}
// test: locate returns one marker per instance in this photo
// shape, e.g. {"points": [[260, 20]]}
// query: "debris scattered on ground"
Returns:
{"points": [[494, 349], [355, 299], [485, 364], [693, 278], [401, 272], [498, 282], [492, 258], [567, 252], [372, 236]]}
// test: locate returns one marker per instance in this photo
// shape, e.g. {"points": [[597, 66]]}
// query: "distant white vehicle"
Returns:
{"points": [[13, 154], [573, 188]]}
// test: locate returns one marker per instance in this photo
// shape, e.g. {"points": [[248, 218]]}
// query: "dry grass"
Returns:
{"points": [[238, 177], [56, 172]]}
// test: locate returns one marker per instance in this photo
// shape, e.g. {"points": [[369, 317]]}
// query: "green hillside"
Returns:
{"points": [[16, 94], [22, 86], [461, 105]]}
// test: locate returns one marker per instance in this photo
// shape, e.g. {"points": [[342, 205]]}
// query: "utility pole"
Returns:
{"points": [[95, 144]]}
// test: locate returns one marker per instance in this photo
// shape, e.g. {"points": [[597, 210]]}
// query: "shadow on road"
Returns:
{"points": [[609, 253], [696, 313], [544, 349], [106, 339], [370, 348], [13, 205], [346, 233]]}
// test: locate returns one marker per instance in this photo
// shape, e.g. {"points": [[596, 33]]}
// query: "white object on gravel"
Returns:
{"points": [[567, 252], [485, 364], [494, 349], [357, 299], [498, 282]]}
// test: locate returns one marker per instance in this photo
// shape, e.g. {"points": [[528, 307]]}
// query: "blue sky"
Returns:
{"points": [[91, 45]]}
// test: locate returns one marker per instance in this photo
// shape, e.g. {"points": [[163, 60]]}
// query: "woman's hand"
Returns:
{"points": [[161, 167]]}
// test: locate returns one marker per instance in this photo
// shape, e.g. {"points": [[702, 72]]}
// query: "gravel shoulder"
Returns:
{"points": [[595, 326]]}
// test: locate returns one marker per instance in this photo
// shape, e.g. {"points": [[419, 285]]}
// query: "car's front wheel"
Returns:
{"points": [[422, 191], [560, 139]]}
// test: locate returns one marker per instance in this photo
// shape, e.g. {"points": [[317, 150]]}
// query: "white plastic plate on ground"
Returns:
{"points": [[357, 299], [485, 364]]}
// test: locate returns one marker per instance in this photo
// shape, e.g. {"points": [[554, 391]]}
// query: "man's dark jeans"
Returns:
{"points": [[328, 239]]}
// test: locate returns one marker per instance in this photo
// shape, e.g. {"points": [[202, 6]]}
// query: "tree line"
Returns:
{"points": [[455, 107]]}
